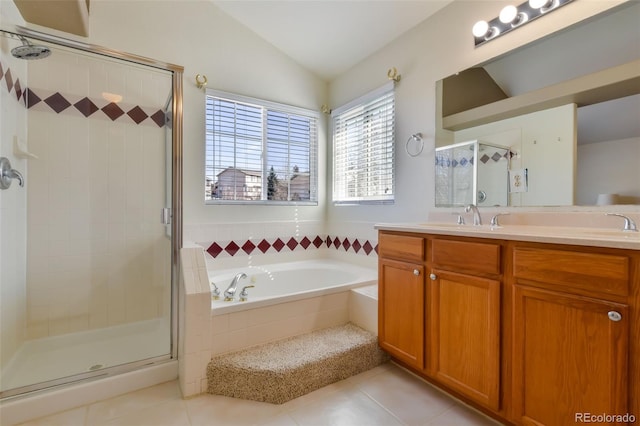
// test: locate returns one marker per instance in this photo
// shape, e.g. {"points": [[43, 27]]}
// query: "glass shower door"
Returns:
{"points": [[86, 261]]}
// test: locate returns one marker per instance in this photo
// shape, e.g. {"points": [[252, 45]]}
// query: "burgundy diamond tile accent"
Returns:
{"points": [[57, 102], [367, 247], [305, 242], [292, 243], [248, 247], [158, 118], [317, 241], [18, 89], [214, 250], [376, 249], [496, 156], [336, 242], [346, 244], [113, 111], [232, 248], [485, 158], [86, 107], [264, 245], [328, 241], [278, 245], [356, 245], [8, 79], [1, 71], [137, 115], [32, 98]]}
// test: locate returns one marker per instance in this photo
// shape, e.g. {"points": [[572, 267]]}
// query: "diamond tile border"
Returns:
{"points": [[232, 248], [444, 161], [67, 104]]}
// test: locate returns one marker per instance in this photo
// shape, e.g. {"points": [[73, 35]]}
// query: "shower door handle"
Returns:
{"points": [[166, 216], [7, 174]]}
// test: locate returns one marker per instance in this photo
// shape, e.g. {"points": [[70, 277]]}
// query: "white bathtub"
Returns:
{"points": [[286, 282]]}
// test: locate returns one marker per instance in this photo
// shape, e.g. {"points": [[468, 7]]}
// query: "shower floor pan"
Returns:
{"points": [[52, 358]]}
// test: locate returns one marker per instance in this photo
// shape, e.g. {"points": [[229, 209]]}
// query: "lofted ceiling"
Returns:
{"points": [[328, 37]]}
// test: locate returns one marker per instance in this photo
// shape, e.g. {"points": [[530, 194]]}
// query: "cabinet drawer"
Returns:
{"points": [[594, 272], [402, 247], [463, 256]]}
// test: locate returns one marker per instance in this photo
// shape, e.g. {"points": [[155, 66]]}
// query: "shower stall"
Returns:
{"points": [[472, 172], [90, 218]]}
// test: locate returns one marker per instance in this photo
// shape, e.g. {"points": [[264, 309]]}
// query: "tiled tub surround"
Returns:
{"points": [[205, 332]]}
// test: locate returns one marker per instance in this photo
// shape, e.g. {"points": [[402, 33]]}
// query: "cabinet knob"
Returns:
{"points": [[614, 316], [416, 272], [433, 277]]}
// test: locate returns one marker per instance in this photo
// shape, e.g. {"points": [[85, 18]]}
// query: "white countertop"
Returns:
{"points": [[598, 237]]}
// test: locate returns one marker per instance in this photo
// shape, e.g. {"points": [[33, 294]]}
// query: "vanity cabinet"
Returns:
{"points": [[401, 297], [532, 333], [463, 318], [570, 333]]}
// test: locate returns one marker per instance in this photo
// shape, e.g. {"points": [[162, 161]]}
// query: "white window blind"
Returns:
{"points": [[363, 148], [259, 151]]}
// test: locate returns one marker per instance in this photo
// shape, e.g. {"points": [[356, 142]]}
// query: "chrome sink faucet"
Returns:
{"points": [[477, 220], [629, 224], [230, 292]]}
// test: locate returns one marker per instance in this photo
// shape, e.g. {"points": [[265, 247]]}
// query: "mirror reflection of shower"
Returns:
{"points": [[30, 51]]}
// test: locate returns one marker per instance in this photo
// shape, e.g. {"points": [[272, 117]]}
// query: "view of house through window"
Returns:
{"points": [[259, 151]]}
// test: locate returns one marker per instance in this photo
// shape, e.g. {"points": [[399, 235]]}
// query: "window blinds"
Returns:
{"points": [[363, 148], [259, 151]]}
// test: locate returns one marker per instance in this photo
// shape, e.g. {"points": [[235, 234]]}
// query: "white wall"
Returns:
{"points": [[619, 161], [440, 46], [200, 37]]}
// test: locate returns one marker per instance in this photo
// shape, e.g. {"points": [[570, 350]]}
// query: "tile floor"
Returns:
{"points": [[385, 395]]}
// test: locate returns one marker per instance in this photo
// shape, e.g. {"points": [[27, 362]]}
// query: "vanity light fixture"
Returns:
{"points": [[513, 17]]}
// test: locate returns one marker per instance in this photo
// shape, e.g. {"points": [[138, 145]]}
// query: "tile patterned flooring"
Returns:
{"points": [[385, 395]]}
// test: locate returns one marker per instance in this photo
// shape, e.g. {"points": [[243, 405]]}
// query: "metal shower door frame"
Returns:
{"points": [[176, 102]]}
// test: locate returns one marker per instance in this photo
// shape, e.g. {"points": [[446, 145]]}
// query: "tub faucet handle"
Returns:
{"points": [[230, 292], [215, 293], [244, 295]]}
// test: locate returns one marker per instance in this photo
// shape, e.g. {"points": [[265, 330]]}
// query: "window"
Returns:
{"points": [[259, 151], [363, 149]]}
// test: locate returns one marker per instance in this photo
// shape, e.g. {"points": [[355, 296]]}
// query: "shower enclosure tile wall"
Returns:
{"points": [[13, 204], [93, 234]]}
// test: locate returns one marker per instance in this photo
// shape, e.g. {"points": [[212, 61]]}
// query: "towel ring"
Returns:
{"points": [[417, 137]]}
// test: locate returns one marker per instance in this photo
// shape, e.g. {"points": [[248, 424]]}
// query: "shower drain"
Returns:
{"points": [[96, 367]]}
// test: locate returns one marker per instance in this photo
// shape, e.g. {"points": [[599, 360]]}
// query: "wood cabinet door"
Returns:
{"points": [[464, 335], [569, 358], [401, 311]]}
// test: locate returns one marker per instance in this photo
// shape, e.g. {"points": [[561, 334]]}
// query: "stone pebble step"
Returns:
{"points": [[277, 372]]}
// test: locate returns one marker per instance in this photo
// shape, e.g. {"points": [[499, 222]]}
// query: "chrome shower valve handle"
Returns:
{"points": [[7, 174]]}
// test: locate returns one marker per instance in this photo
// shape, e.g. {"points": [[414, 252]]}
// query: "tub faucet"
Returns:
{"points": [[230, 292], [477, 220]]}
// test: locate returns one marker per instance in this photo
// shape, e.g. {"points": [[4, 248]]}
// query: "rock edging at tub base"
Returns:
{"points": [[279, 371]]}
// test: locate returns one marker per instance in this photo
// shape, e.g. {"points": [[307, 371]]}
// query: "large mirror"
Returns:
{"points": [[567, 108]]}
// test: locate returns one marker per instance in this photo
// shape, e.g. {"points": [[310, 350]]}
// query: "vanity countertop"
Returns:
{"points": [[598, 237]]}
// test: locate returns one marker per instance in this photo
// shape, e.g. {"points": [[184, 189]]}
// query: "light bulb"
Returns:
{"points": [[508, 14], [539, 4], [480, 28]]}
